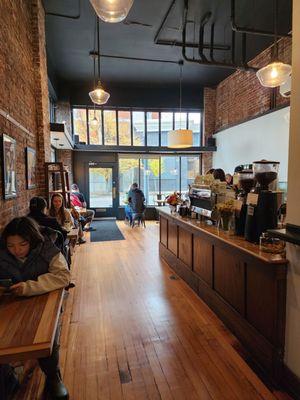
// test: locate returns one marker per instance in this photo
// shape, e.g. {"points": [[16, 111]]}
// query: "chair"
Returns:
{"points": [[139, 219]]}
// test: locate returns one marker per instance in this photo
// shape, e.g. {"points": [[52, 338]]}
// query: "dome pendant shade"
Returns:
{"points": [[274, 74], [99, 95], [180, 138], [112, 10]]}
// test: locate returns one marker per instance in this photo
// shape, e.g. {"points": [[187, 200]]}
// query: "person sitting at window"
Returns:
{"points": [[136, 199], [63, 215], [35, 266], [78, 201]]}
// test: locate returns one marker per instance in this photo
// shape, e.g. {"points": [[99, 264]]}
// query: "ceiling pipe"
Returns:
{"points": [[203, 22], [249, 30], [208, 63], [212, 40], [65, 15], [95, 54], [166, 42]]}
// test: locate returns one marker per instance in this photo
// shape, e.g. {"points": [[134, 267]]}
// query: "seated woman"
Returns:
{"points": [[38, 207], [63, 215], [35, 266]]}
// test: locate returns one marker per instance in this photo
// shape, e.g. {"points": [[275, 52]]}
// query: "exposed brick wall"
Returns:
{"points": [[209, 121], [22, 75], [241, 96]]}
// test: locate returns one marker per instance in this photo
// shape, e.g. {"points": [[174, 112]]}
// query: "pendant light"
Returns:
{"points": [[98, 95], [94, 123], [180, 138], [276, 73], [112, 10]]}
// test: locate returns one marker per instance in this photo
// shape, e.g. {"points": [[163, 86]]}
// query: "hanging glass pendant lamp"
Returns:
{"points": [[276, 73], [180, 138], [94, 122], [112, 10], [98, 95]]}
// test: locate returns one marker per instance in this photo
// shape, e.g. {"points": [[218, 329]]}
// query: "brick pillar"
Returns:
{"points": [[41, 90], [209, 120]]}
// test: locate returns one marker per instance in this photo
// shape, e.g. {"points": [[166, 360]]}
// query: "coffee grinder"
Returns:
{"points": [[245, 184], [262, 201]]}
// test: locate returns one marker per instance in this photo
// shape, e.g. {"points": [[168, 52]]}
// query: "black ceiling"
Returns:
{"points": [[69, 42]]}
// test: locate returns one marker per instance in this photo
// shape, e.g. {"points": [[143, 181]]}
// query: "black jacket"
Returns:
{"points": [[47, 221], [136, 200]]}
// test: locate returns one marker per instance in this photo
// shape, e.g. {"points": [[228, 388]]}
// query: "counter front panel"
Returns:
{"points": [[245, 287]]}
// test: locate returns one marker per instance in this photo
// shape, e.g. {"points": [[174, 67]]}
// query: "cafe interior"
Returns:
{"points": [[150, 223]]}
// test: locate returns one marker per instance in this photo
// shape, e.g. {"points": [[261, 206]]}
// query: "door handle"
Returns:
{"points": [[114, 192]]}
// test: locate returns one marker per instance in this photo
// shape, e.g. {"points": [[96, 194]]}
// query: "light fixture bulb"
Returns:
{"points": [[94, 122], [274, 74], [112, 10], [180, 138], [99, 95]]}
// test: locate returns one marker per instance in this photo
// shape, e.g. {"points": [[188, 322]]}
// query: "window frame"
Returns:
{"points": [[132, 147]]}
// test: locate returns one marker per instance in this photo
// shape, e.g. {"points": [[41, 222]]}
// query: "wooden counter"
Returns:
{"points": [[28, 325], [245, 287]]}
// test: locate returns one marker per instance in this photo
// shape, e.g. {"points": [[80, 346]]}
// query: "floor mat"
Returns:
{"points": [[107, 230]]}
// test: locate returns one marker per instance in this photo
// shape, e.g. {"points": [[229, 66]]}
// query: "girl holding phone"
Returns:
{"points": [[35, 266]]}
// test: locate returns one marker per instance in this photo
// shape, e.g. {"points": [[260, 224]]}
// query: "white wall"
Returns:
{"points": [[265, 137]]}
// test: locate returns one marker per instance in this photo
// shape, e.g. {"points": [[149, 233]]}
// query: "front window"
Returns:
{"points": [[157, 175], [80, 124], [110, 127]]}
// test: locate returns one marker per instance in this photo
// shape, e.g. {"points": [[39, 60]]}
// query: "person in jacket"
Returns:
{"points": [[35, 266], [58, 211], [64, 216], [136, 199], [78, 201]]}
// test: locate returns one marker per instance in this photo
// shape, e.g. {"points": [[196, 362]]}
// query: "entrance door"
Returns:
{"points": [[103, 190]]}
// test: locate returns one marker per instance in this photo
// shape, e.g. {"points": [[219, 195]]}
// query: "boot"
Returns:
{"points": [[56, 388]]}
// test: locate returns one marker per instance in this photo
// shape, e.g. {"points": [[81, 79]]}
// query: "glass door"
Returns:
{"points": [[102, 189]]}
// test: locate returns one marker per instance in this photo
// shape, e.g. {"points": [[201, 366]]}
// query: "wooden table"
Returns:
{"points": [[28, 325]]}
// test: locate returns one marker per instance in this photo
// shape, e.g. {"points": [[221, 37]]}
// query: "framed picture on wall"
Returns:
{"points": [[9, 167], [30, 168]]}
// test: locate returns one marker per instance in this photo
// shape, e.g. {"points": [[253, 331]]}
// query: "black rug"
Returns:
{"points": [[107, 230]]}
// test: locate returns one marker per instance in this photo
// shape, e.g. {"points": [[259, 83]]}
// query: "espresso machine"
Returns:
{"points": [[263, 201]]}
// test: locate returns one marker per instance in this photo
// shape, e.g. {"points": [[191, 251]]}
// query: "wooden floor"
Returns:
{"points": [[132, 331]]}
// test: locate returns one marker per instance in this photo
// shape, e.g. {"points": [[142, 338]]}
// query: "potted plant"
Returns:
{"points": [[173, 200]]}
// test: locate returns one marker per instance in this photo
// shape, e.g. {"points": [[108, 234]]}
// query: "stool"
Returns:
{"points": [[139, 218]]}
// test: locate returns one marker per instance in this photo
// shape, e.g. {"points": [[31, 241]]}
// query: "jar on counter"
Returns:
{"points": [[270, 244]]}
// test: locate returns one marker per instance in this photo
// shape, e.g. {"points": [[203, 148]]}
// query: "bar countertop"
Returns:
{"points": [[236, 241]]}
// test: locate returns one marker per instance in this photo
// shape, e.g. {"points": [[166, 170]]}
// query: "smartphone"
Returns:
{"points": [[6, 283]]}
